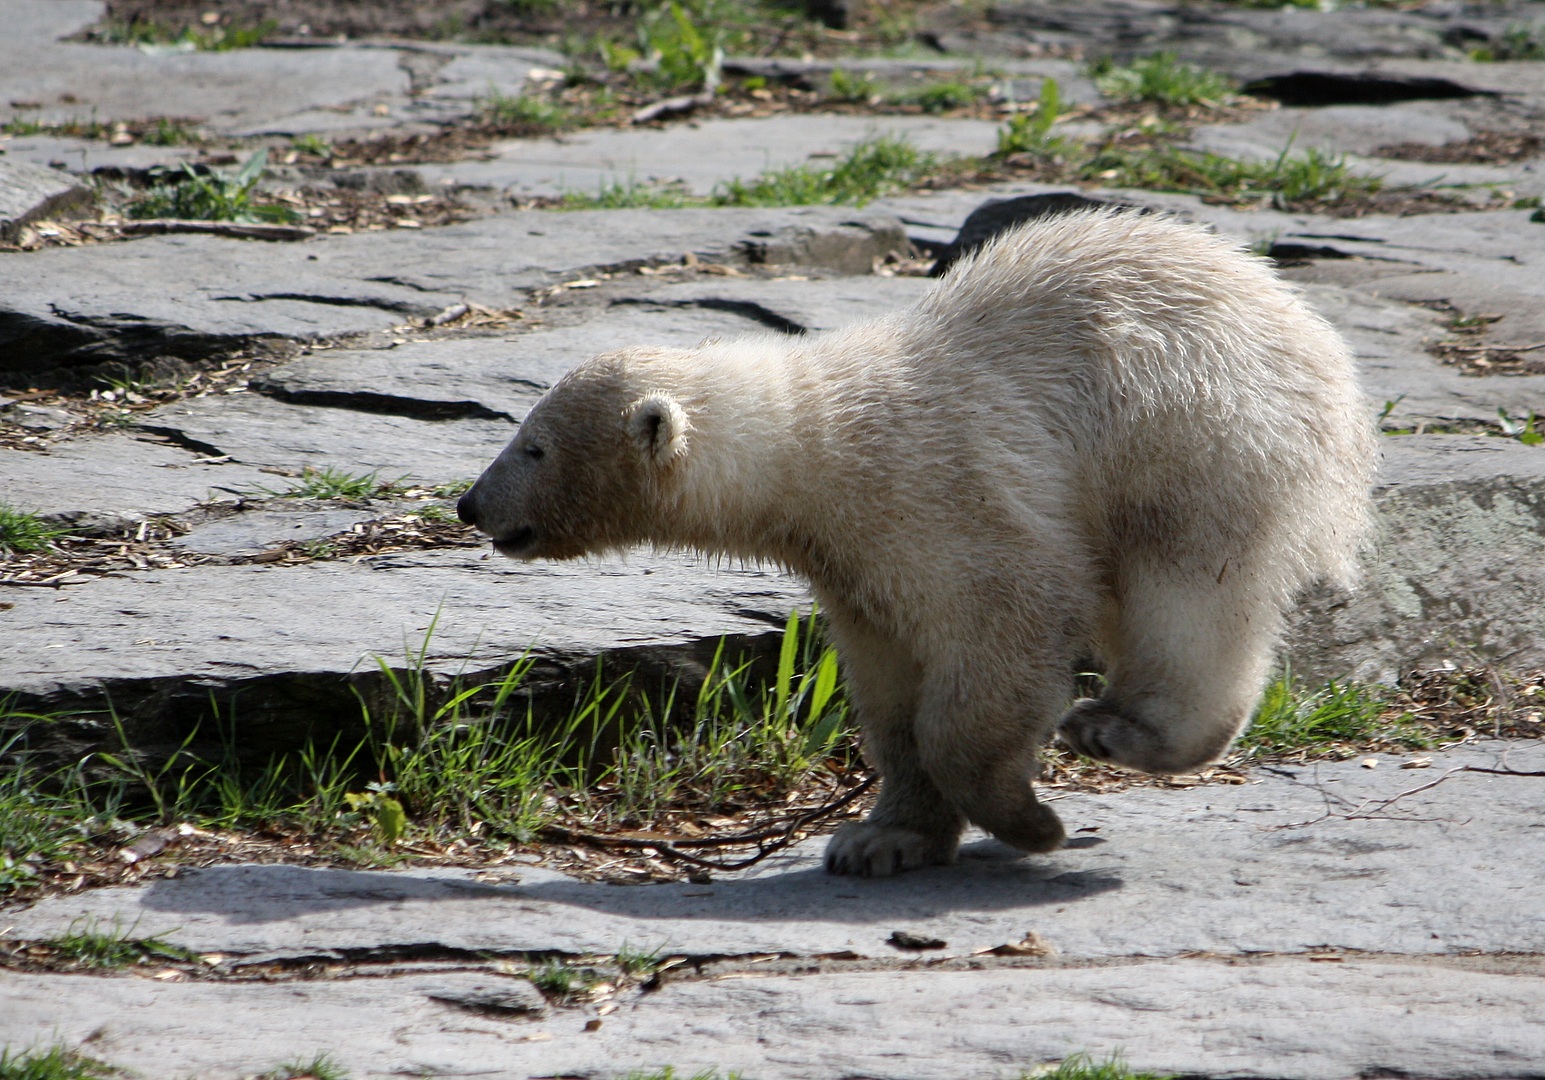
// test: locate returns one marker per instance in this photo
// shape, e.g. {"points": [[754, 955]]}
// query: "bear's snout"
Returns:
{"points": [[466, 509]]}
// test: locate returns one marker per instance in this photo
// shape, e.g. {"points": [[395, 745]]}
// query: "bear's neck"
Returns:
{"points": [[749, 484]]}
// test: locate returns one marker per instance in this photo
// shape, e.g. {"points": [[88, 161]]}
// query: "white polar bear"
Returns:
{"points": [[1104, 433]]}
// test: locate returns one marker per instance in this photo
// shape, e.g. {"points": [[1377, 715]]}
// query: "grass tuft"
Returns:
{"points": [[943, 96], [330, 483], [1030, 132], [637, 961], [212, 39], [681, 53], [630, 195], [1161, 78], [55, 1063], [90, 946], [320, 1067], [214, 196], [1314, 176], [1082, 1067], [23, 533], [523, 114], [1291, 719], [560, 979], [1520, 42], [853, 89], [875, 167]]}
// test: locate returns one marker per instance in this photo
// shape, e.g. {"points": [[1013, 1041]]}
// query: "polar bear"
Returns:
{"points": [[1106, 433]]}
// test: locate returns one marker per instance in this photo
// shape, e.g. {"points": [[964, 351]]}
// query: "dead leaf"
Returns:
{"points": [[1032, 944]]}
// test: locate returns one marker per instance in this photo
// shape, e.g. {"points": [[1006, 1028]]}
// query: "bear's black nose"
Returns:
{"points": [[466, 509]]}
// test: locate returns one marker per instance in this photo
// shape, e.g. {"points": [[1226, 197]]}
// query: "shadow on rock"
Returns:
{"points": [[989, 878]]}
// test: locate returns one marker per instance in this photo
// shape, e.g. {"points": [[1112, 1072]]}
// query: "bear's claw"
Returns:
{"points": [[867, 850]]}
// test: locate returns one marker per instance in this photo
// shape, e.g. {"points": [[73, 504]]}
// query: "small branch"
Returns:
{"points": [[244, 230], [1495, 348], [768, 841]]}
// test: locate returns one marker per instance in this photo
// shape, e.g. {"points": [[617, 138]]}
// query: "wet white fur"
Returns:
{"points": [[1105, 434]]}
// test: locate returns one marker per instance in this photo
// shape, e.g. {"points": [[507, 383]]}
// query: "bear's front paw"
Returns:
{"points": [[869, 850]]}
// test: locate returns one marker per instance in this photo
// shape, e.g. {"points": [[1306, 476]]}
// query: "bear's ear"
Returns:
{"points": [[658, 423]]}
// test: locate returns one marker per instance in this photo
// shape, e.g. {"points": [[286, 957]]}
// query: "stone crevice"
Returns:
{"points": [[384, 404], [401, 307], [748, 309]]}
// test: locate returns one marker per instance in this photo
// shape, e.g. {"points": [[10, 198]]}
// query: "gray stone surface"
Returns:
{"points": [[234, 90], [1254, 42], [1267, 1020], [494, 377], [253, 531], [254, 430], [1314, 922], [119, 476], [1300, 859], [90, 304], [1323, 921], [244, 92], [80, 156], [30, 192], [160, 642], [1456, 572], [700, 156]]}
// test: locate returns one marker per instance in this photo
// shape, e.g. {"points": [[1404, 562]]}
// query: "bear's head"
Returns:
{"points": [[587, 469]]}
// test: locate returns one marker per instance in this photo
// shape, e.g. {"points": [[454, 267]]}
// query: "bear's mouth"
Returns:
{"points": [[518, 544]]}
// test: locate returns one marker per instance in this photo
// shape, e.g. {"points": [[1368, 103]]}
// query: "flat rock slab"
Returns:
{"points": [[234, 91], [29, 192], [703, 156], [491, 377], [1269, 1020], [1250, 43], [258, 530], [131, 478], [192, 295], [159, 643], [1319, 921], [1454, 571], [245, 92], [1299, 859]]}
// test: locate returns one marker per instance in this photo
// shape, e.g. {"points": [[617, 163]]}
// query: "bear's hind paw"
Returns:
{"points": [[869, 850]]}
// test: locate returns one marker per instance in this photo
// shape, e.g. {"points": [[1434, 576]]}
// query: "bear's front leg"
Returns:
{"points": [[912, 824], [979, 735]]}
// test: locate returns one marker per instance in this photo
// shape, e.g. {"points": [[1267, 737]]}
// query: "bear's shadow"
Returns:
{"points": [[989, 877]]}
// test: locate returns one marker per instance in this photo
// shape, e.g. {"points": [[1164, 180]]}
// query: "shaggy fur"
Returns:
{"points": [[1105, 433]]}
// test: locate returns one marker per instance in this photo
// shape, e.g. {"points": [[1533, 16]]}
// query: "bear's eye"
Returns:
{"points": [[535, 453]]}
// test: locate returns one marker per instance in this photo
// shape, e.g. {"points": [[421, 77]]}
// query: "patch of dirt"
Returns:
{"points": [[148, 544], [1468, 348], [314, 208], [1404, 202], [1483, 148]]}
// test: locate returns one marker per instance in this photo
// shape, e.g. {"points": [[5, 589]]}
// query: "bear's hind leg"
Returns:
{"points": [[1187, 662], [912, 824]]}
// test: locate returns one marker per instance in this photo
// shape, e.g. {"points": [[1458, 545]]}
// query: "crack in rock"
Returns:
{"points": [[178, 437], [400, 282], [29, 342], [385, 404], [396, 307], [746, 309], [1315, 88]]}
